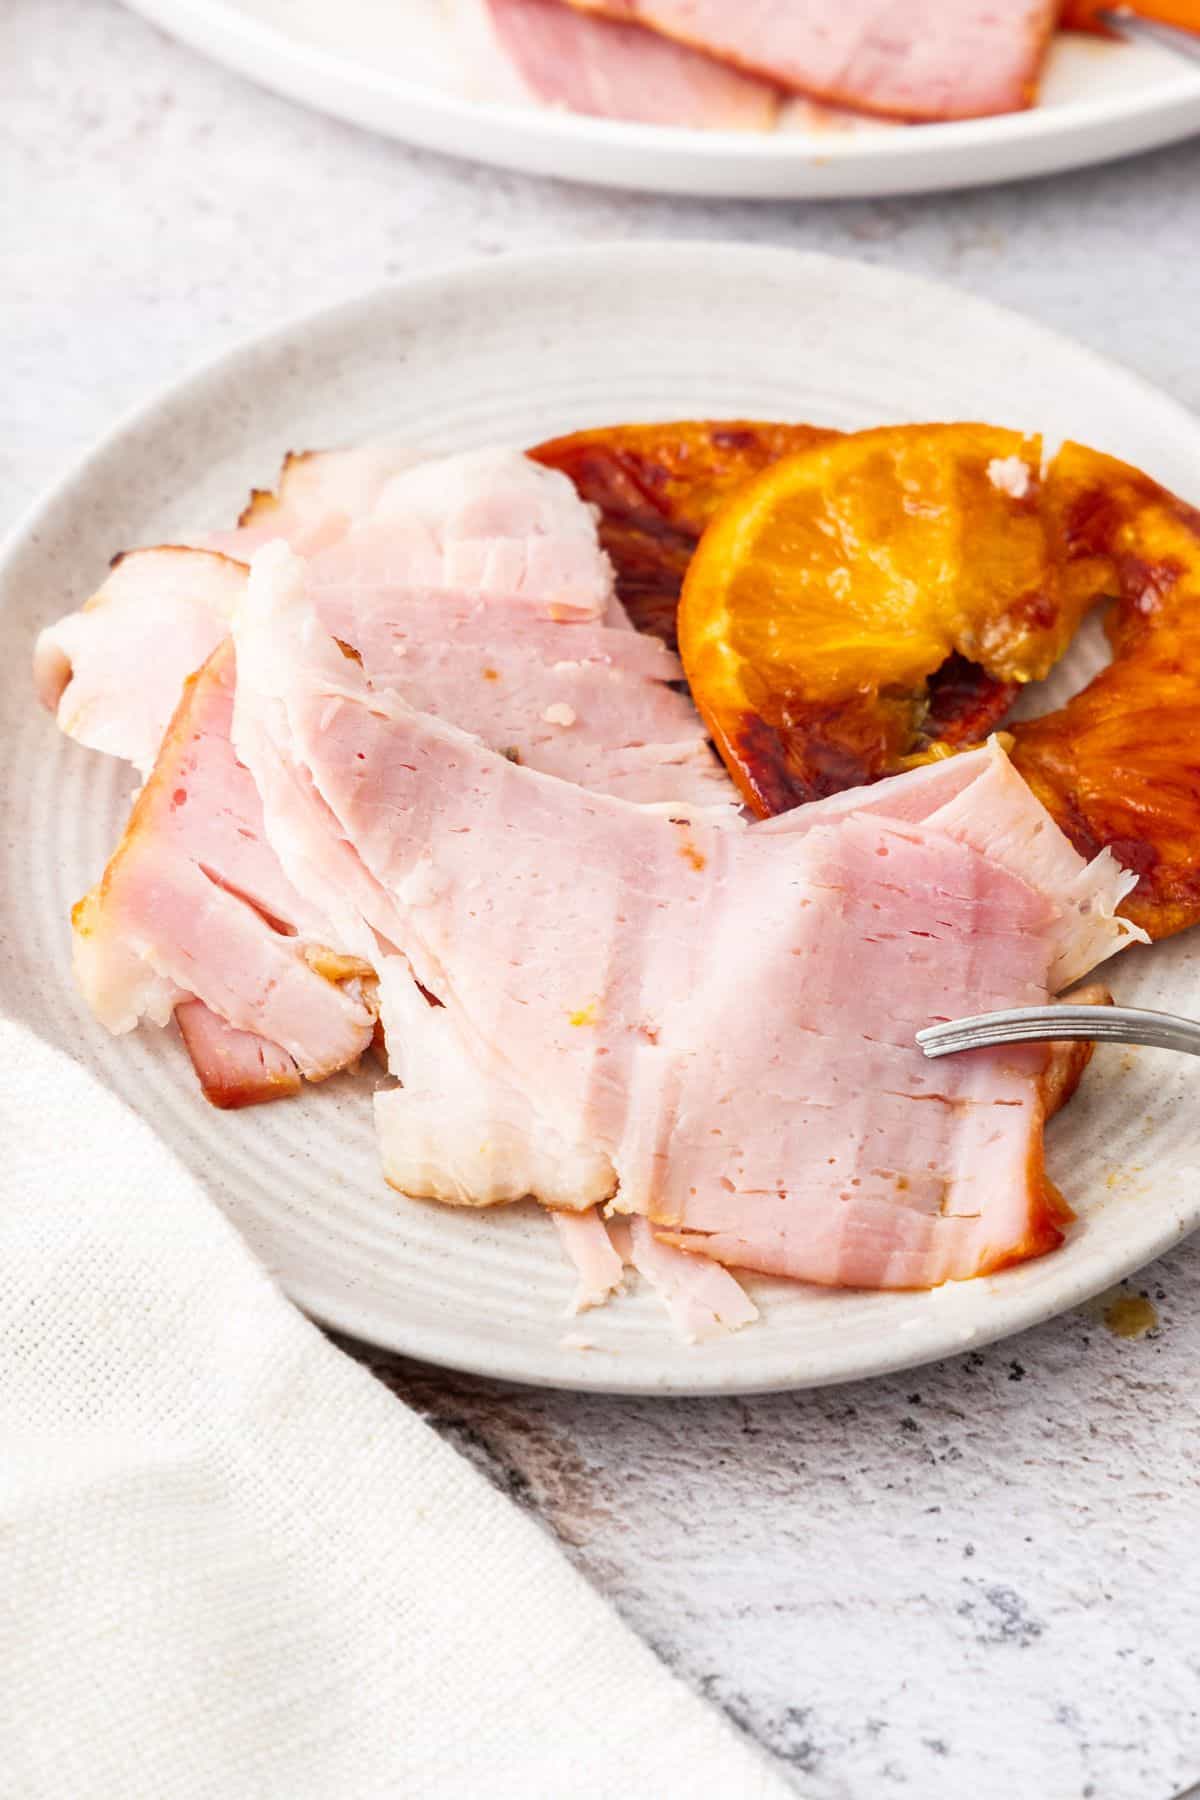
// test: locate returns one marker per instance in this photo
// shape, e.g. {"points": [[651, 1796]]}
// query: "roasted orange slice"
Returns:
{"points": [[1119, 765], [657, 486], [830, 597], [878, 600]]}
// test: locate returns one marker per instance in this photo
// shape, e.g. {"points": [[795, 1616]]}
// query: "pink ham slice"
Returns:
{"points": [[112, 672], [162, 612], [236, 1068], [194, 905], [585, 1238], [702, 1299], [524, 53], [613, 70], [720, 1017], [319, 496], [908, 59], [477, 587], [1012, 832], [589, 703], [474, 583], [485, 523]]}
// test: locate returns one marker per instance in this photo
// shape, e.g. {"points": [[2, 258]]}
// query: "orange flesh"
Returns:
{"points": [[835, 600]]}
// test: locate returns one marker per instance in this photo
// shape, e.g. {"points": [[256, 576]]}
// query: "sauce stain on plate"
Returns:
{"points": [[1131, 1316]]}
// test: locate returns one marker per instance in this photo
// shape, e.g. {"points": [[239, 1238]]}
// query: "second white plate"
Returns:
{"points": [[356, 58], [510, 352]]}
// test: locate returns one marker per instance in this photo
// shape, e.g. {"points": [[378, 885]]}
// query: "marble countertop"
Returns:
{"points": [[982, 1578]]}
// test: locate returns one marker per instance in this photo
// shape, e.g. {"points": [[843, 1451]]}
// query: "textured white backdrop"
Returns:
{"points": [[979, 1579]]}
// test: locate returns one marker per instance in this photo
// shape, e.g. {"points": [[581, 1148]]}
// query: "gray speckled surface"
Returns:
{"points": [[980, 1579]]}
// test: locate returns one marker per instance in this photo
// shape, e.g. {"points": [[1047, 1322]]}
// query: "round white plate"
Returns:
{"points": [[359, 59], [512, 351]]}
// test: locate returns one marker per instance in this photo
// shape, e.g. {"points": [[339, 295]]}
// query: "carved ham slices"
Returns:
{"points": [[814, 66], [610, 1025], [765, 64], [513, 624], [410, 766], [924, 59], [194, 905]]}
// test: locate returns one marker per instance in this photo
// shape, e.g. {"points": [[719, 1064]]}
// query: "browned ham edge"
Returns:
{"points": [[234, 1068]]}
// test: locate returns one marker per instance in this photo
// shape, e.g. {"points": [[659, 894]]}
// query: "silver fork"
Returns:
{"points": [[1151, 31], [1096, 1024]]}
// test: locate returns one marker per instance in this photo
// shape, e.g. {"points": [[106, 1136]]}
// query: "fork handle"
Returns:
{"points": [[1096, 1024]]}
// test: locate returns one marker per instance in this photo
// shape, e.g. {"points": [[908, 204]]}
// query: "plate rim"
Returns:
{"points": [[266, 55], [512, 1362]]}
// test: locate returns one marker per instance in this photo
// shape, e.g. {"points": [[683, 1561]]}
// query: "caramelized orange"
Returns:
{"points": [[830, 596], [1119, 765], [879, 599]]}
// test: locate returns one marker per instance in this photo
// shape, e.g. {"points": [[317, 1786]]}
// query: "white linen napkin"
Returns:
{"points": [[232, 1565]]}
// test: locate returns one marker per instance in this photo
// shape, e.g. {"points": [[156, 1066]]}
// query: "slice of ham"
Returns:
{"points": [[112, 672], [753, 1090], [590, 703], [457, 586], [909, 59], [540, 51], [702, 1299], [1009, 831], [585, 1238], [236, 1068], [318, 497], [488, 523], [478, 589], [483, 523], [195, 905]]}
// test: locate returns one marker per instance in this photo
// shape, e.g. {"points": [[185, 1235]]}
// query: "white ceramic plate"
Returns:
{"points": [[357, 59], [513, 351]]}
